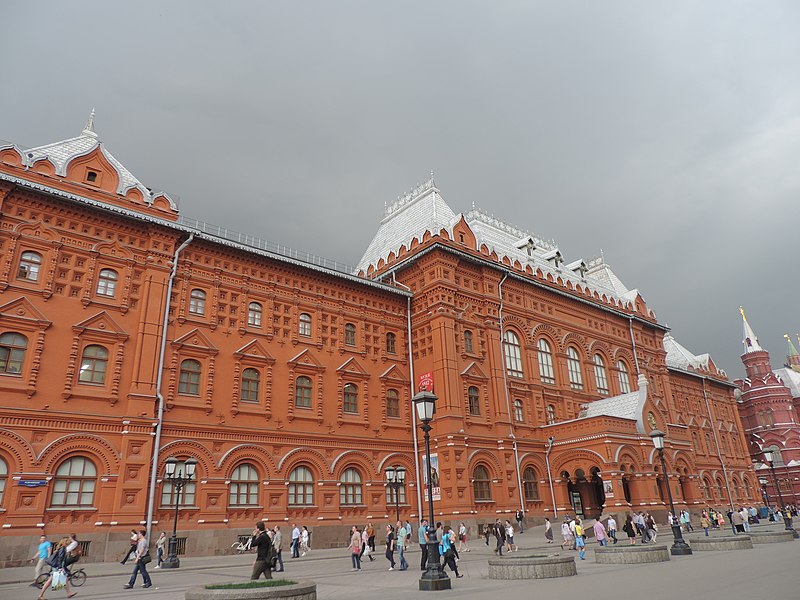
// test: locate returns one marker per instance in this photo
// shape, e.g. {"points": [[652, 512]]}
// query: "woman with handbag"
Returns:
{"points": [[58, 576], [142, 558], [355, 547]]}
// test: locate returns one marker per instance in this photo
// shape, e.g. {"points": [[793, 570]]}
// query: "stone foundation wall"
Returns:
{"points": [[625, 555], [738, 542], [532, 567]]}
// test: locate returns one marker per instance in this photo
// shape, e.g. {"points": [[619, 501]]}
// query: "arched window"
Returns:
{"points": [[74, 483], [624, 378], [468, 341], [695, 442], [244, 486], [720, 492], [189, 378], [304, 328], [736, 494], [169, 491], [29, 265], [301, 487], [519, 412], [251, 380], [474, 399], [107, 283], [709, 447], [481, 484], [3, 479], [302, 392], [350, 488], [254, 312], [545, 362], [530, 484], [392, 404], [12, 353], [706, 488], [769, 417], [94, 364], [600, 374], [350, 334], [390, 493], [574, 369], [391, 343], [350, 402], [197, 302], [513, 354], [551, 414]]}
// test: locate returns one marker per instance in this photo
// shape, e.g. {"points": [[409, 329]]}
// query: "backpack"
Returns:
{"points": [[56, 559]]}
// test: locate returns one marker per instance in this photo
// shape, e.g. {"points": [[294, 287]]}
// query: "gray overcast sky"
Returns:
{"points": [[665, 133]]}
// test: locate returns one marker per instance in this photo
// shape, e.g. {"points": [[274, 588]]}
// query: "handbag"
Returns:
{"points": [[59, 580], [145, 558]]}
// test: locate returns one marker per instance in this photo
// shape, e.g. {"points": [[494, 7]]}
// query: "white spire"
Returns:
{"points": [[89, 127], [750, 340]]}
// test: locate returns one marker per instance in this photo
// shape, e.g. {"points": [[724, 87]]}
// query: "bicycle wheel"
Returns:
{"points": [[41, 579], [78, 578]]}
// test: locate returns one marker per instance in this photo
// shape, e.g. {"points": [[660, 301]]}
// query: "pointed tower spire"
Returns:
{"points": [[793, 359], [792, 350], [89, 127], [750, 340]]}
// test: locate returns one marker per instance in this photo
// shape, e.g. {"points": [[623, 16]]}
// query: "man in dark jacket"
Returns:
{"points": [[500, 536], [265, 552]]}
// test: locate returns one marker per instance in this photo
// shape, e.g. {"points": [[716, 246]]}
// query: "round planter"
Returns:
{"points": [[302, 590], [631, 555], [726, 542], [771, 537], [533, 566]]}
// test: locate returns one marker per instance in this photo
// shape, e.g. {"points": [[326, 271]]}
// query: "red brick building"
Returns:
{"points": [[769, 406], [129, 334]]}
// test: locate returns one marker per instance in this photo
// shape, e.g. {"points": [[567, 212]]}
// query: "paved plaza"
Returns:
{"points": [[768, 572]]}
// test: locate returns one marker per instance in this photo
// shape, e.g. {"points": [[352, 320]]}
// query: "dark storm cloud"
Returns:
{"points": [[667, 134]]}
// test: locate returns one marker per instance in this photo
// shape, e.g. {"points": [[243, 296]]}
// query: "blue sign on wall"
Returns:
{"points": [[32, 482]]}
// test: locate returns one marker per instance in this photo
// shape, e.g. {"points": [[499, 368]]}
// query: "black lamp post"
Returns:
{"points": [[396, 479], [679, 547], [763, 483], [434, 578], [787, 518], [178, 478]]}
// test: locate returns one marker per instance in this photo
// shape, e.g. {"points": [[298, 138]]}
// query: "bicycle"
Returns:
{"points": [[240, 547], [76, 578]]}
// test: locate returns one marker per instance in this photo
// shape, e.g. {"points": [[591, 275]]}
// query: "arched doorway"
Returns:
{"points": [[585, 493]]}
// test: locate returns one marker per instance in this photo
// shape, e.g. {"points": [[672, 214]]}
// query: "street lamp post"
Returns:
{"points": [[434, 578], [178, 478], [787, 518], [396, 480], [679, 547]]}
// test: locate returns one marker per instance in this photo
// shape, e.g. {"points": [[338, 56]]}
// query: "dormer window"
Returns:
{"points": [[91, 176]]}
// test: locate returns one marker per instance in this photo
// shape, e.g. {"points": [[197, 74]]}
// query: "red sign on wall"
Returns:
{"points": [[426, 382]]}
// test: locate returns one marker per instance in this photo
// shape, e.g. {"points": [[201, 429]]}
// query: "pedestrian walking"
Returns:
{"points": [[162, 539], [131, 546], [305, 541], [422, 538], [277, 543], [402, 539], [390, 546], [462, 538], [447, 550], [265, 552], [520, 516], [630, 530], [566, 534], [408, 535], [355, 548], [43, 552], [580, 539], [510, 537], [499, 536], [548, 531], [705, 522], [371, 536], [600, 533], [58, 561], [295, 541], [142, 557], [612, 528], [365, 549]]}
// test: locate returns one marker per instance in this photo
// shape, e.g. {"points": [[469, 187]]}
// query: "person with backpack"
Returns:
{"points": [[57, 561], [448, 551]]}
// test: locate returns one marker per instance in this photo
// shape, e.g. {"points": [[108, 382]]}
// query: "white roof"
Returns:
{"points": [[791, 379], [424, 210], [625, 406], [679, 357], [60, 154]]}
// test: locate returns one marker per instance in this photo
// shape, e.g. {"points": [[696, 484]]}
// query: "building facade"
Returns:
{"points": [[769, 405], [129, 335]]}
